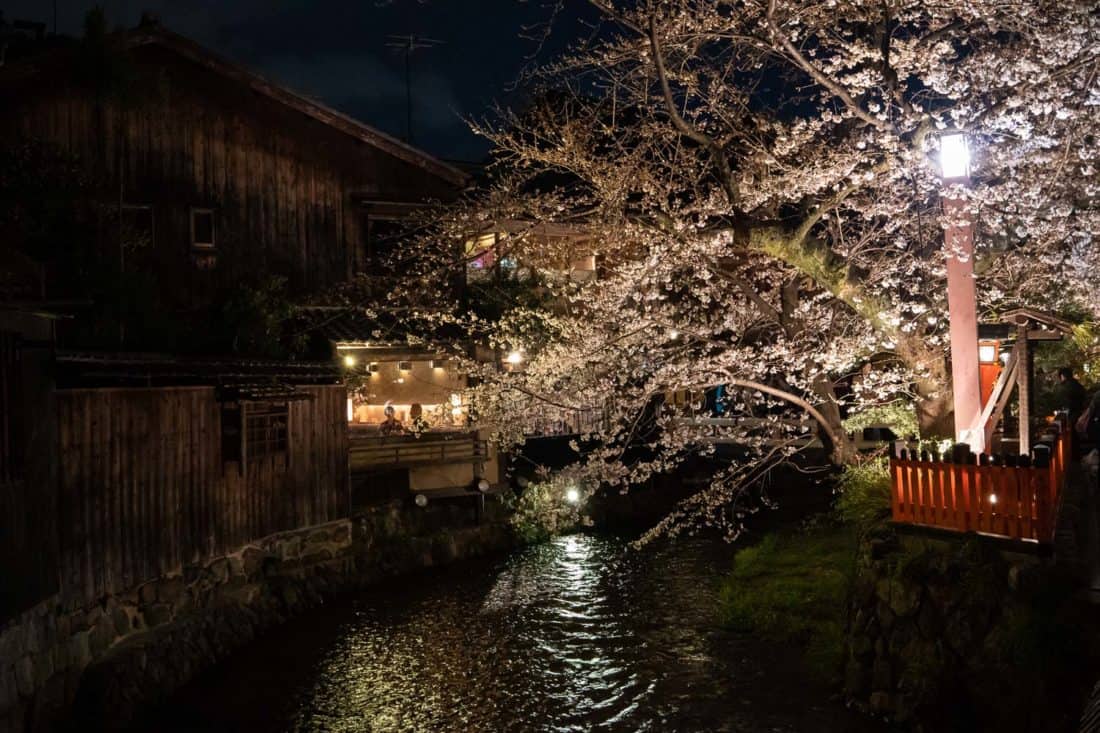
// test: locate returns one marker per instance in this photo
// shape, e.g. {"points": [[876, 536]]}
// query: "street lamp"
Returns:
{"points": [[954, 157], [961, 298]]}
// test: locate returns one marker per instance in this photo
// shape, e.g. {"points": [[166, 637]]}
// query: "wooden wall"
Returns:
{"points": [[144, 491], [284, 186]]}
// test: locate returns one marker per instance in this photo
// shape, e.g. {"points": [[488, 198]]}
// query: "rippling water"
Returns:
{"points": [[578, 634]]}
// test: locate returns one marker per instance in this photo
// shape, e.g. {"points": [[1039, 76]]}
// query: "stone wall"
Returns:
{"points": [[100, 666], [945, 635]]}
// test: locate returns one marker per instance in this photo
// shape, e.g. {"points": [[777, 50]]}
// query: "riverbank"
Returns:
{"points": [[945, 634], [99, 668]]}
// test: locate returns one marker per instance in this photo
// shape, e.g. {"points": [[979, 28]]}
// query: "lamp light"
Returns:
{"points": [[483, 485], [405, 366], [438, 363], [954, 157], [987, 353], [515, 358], [421, 500], [349, 361], [572, 495], [373, 367]]}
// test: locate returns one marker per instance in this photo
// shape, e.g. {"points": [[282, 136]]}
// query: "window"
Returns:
{"points": [[265, 433], [202, 228], [381, 236]]}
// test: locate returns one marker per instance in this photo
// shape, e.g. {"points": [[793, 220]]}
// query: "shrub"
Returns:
{"points": [[864, 494]]}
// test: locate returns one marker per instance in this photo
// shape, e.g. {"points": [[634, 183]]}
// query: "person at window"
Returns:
{"points": [[417, 423], [391, 425]]}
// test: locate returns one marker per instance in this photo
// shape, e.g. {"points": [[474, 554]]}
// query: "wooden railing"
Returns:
{"points": [[376, 451], [1011, 496]]}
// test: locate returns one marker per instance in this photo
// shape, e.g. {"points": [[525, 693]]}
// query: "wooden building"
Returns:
{"points": [[206, 173]]}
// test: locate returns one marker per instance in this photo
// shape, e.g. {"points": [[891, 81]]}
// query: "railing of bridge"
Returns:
{"points": [[1017, 497]]}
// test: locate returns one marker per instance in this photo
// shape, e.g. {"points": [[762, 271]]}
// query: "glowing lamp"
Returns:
{"points": [[349, 361], [673, 334], [421, 500], [438, 363], [987, 353], [405, 366], [373, 367], [954, 157], [992, 498], [572, 495], [514, 358], [483, 485]]}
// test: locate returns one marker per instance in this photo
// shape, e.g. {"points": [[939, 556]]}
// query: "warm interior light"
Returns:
{"points": [[351, 410], [992, 498], [987, 353], [405, 366], [514, 358], [572, 495], [954, 156], [373, 367], [349, 361], [483, 485], [438, 363], [673, 334]]}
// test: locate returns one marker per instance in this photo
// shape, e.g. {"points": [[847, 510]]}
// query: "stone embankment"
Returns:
{"points": [[99, 667]]}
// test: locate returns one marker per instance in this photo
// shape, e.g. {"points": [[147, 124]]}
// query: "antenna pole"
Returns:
{"points": [[408, 95]]}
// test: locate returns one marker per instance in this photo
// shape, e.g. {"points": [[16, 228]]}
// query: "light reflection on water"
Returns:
{"points": [[578, 634]]}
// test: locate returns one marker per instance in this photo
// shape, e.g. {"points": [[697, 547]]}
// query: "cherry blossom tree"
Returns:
{"points": [[759, 180]]}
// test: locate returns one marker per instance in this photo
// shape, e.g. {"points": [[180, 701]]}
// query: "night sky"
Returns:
{"points": [[335, 51]]}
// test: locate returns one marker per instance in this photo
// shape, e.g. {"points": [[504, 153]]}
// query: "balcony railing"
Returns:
{"points": [[372, 451], [1016, 497]]}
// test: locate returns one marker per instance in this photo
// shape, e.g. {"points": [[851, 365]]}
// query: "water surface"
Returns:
{"points": [[578, 634]]}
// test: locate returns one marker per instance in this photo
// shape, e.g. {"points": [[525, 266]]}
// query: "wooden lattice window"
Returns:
{"points": [[265, 429], [12, 456]]}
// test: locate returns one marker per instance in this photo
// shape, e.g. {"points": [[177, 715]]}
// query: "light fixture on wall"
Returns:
{"points": [[405, 366], [349, 361], [514, 358], [438, 363], [373, 367]]}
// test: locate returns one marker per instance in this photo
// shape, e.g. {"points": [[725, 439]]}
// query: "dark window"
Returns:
{"points": [[11, 413], [202, 228], [265, 426], [380, 239]]}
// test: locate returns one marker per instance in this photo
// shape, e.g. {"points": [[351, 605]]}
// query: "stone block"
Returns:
{"points": [[857, 678], [24, 676], [9, 691], [80, 650], [102, 636], [219, 571], [169, 590], [882, 703], [157, 614], [252, 561]]}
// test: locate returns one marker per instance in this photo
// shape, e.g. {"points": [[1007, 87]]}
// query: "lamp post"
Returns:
{"points": [[961, 298]]}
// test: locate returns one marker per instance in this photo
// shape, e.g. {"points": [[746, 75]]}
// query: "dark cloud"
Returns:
{"points": [[336, 51]]}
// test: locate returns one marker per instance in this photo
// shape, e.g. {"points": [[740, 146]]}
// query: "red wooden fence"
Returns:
{"points": [[1010, 496]]}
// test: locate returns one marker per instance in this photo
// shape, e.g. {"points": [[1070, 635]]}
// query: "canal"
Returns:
{"points": [[578, 634]]}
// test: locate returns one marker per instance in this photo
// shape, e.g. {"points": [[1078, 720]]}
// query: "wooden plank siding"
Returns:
{"points": [[144, 491], [284, 186]]}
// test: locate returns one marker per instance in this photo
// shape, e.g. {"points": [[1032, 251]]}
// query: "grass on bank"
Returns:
{"points": [[794, 586]]}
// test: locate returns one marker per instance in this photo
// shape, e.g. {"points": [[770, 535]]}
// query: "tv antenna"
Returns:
{"points": [[408, 44]]}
